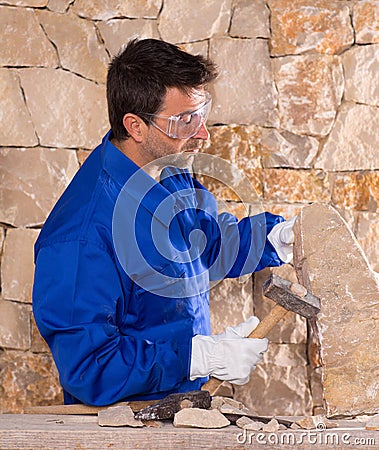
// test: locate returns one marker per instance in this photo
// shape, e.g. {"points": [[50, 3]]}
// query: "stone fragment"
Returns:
{"points": [[78, 47], [366, 21], [295, 426], [299, 80], [200, 418], [14, 325], [118, 416], [58, 6], [250, 19], [81, 105], [271, 427], [23, 42], [27, 379], [44, 173], [23, 3], [228, 409], [285, 149], [104, 10], [181, 21], [332, 265], [116, 33], [373, 423], [353, 141], [361, 67], [318, 422], [367, 233], [16, 126], [248, 424], [245, 91], [17, 264], [304, 25]]}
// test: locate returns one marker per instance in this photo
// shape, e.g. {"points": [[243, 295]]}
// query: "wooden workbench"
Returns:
{"points": [[19, 431]]}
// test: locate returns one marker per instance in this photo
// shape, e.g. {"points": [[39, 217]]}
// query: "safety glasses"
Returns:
{"points": [[186, 124]]}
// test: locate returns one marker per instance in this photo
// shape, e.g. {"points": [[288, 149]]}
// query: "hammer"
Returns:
{"points": [[288, 297]]}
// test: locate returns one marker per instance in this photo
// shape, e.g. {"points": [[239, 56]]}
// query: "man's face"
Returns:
{"points": [[157, 144]]}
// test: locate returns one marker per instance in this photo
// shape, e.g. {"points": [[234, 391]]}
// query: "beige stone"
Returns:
{"points": [[245, 92], [361, 66], [27, 379], [77, 44], [373, 423], [195, 48], [59, 6], [23, 3], [16, 127], [67, 110], [118, 416], [248, 424], [300, 26], [32, 181], [200, 418], [116, 33], [316, 387], [353, 141], [17, 266], [299, 80], [108, 9], [183, 22], [23, 42], [332, 265], [366, 21], [15, 327], [271, 427], [38, 344], [250, 19], [367, 233]]}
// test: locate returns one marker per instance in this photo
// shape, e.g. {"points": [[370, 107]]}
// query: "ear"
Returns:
{"points": [[135, 126]]}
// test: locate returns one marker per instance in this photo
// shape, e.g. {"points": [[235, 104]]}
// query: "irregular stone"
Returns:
{"points": [[116, 33], [332, 265], [365, 21], [23, 42], [250, 19], [200, 418], [118, 416], [196, 48], [248, 424], [44, 174], [299, 80], [16, 126], [181, 21], [104, 10], [228, 409], [367, 233], [305, 186], [27, 379], [271, 427], [373, 423], [88, 59], [23, 3], [38, 345], [318, 422], [82, 155], [14, 325], [285, 149], [245, 90], [361, 67], [81, 105], [17, 265], [59, 6], [353, 141], [304, 25]]}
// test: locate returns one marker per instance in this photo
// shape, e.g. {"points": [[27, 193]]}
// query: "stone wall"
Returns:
{"points": [[296, 107]]}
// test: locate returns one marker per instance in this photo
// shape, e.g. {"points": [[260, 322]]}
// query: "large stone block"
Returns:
{"points": [[17, 265], [331, 264], [16, 126], [354, 140], [299, 80], [15, 329], [300, 26], [59, 6], [366, 21], [44, 173], [108, 9], [367, 233], [77, 44], [244, 92], [194, 21], [67, 110], [27, 379], [250, 19], [23, 43]]}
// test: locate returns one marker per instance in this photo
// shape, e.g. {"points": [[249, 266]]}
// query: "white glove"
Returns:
{"points": [[281, 237], [228, 356]]}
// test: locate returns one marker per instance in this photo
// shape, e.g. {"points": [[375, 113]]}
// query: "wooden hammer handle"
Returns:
{"points": [[264, 327]]}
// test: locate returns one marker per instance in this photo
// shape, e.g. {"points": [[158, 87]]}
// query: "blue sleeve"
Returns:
{"points": [[80, 307]]}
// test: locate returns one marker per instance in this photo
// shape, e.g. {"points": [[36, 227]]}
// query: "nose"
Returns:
{"points": [[203, 132]]}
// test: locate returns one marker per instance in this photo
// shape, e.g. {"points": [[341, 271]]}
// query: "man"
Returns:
{"points": [[123, 262]]}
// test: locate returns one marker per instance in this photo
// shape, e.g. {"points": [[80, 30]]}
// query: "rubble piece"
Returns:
{"points": [[228, 409], [373, 423], [248, 424], [295, 426], [200, 418], [217, 402], [282, 427], [118, 416], [331, 264], [271, 427], [319, 422]]}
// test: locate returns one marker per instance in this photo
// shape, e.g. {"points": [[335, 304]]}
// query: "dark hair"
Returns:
{"points": [[139, 76]]}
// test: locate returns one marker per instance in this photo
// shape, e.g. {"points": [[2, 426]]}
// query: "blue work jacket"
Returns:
{"points": [[123, 265]]}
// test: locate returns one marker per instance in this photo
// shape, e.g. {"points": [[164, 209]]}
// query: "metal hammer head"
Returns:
{"points": [[292, 296]]}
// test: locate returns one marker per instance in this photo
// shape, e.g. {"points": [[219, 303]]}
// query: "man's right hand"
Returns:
{"points": [[229, 356]]}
